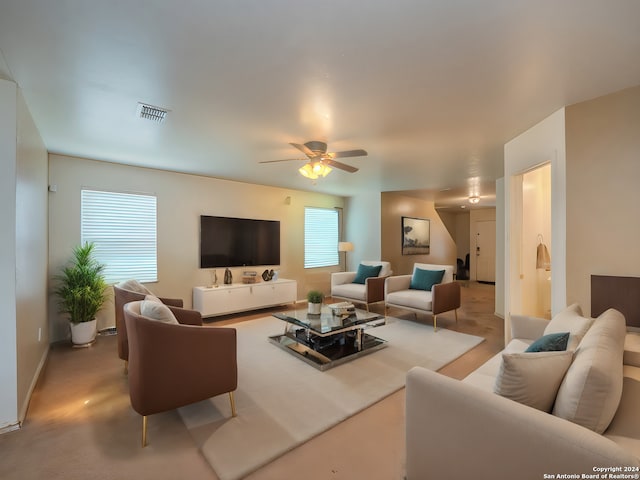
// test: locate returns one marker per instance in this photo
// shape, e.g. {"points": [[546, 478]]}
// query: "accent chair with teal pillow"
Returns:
{"points": [[430, 289], [425, 279], [366, 271], [364, 286]]}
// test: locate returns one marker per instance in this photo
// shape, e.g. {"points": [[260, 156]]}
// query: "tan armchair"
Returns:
{"points": [[442, 297], [175, 365], [122, 296], [372, 291]]}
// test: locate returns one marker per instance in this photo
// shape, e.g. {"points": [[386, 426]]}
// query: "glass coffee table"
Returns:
{"points": [[325, 340]]}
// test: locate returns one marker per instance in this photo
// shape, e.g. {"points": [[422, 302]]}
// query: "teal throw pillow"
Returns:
{"points": [[552, 342], [425, 279], [366, 271]]}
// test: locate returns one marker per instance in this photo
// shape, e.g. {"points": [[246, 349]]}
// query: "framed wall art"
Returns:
{"points": [[416, 236]]}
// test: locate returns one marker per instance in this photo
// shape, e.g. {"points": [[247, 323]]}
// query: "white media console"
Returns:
{"points": [[241, 297]]}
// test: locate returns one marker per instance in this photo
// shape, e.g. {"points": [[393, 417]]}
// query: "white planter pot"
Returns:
{"points": [[83, 333], [314, 308]]}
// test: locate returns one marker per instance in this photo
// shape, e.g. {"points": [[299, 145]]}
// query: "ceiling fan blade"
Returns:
{"points": [[304, 149], [350, 153], [284, 160], [341, 166]]}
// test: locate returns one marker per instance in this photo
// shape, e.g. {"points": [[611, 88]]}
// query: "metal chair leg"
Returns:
{"points": [[456, 312], [435, 326], [144, 431], [233, 405]]}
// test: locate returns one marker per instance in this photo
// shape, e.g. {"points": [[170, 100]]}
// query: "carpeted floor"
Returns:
{"points": [[80, 424], [283, 402]]}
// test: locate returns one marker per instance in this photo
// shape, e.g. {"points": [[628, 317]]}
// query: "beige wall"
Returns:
{"points": [[181, 200], [32, 332], [603, 192], [23, 273], [394, 207]]}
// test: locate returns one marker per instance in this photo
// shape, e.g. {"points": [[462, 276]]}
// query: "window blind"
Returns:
{"points": [[320, 237], [123, 228]]}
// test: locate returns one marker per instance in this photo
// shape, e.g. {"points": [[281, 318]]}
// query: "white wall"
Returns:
{"points": [[500, 248], [182, 199], [544, 142], [8, 357], [362, 228]]}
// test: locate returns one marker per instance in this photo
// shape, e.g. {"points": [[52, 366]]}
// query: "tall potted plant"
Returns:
{"points": [[82, 292]]}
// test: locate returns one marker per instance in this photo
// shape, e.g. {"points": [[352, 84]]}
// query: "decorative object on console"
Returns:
{"points": [[228, 277], [214, 278], [416, 236], [269, 275], [249, 276], [314, 299], [345, 247]]}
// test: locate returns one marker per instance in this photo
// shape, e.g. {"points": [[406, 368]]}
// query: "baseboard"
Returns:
{"points": [[10, 428], [25, 406]]}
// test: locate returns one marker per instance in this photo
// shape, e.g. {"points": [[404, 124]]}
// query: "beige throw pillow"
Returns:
{"points": [[532, 378], [591, 390], [570, 320], [134, 286], [157, 311]]}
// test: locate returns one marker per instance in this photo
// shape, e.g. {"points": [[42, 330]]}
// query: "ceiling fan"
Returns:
{"points": [[319, 161]]}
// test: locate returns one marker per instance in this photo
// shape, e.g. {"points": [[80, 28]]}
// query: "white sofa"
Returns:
{"points": [[462, 429]]}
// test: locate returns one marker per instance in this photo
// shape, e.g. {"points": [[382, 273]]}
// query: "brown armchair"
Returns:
{"points": [[123, 296], [175, 365]]}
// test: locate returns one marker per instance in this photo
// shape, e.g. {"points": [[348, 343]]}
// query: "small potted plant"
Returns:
{"points": [[82, 292], [314, 299]]}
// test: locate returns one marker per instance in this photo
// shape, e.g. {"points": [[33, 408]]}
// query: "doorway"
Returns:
{"points": [[485, 251]]}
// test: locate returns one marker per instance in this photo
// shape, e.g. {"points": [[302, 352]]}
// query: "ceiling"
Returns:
{"points": [[431, 89]]}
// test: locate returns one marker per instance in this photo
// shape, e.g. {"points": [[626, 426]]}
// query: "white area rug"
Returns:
{"points": [[282, 401]]}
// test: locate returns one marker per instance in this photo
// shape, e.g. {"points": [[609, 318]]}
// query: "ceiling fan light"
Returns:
{"points": [[322, 169], [307, 171]]}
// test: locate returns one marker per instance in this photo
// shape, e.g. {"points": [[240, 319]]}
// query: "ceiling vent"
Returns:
{"points": [[149, 112]]}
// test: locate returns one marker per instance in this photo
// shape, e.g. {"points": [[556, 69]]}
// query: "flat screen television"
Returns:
{"points": [[237, 242]]}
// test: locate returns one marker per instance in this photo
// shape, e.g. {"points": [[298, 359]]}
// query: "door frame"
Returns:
{"points": [[544, 142]]}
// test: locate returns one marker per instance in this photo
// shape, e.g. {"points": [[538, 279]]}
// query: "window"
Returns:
{"points": [[320, 237], [123, 228]]}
